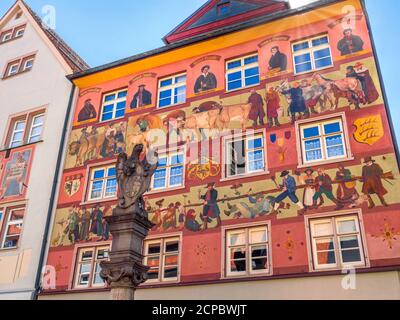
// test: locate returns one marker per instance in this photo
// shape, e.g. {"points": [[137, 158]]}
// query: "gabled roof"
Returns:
{"points": [[73, 60], [210, 17]]}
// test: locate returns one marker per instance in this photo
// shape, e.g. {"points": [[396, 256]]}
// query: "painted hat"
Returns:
{"points": [[348, 29], [368, 159], [88, 100], [159, 203], [259, 196], [206, 66], [358, 65], [309, 170], [211, 184], [142, 86], [285, 173]]}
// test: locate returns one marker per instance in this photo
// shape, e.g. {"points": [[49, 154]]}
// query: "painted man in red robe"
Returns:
{"points": [[257, 108]]}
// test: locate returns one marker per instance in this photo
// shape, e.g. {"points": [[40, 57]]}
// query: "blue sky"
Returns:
{"points": [[103, 31]]}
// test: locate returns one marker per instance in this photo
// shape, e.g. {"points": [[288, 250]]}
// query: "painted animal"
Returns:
{"points": [[230, 113], [87, 147], [203, 118], [337, 89]]}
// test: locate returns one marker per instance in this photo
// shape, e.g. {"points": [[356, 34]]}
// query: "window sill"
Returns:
{"points": [[8, 250], [152, 192], [159, 284], [248, 276], [244, 176], [312, 71], [339, 268], [244, 88], [21, 146], [325, 162], [171, 106], [16, 74]]}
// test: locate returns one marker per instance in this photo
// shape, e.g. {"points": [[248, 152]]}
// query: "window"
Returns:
{"points": [[18, 66], [336, 242], [87, 271], [11, 34], [172, 91], [114, 105], [6, 36], [323, 141], [312, 54], [162, 256], [247, 251], [244, 155], [24, 129], [242, 73], [12, 228], [170, 171], [103, 183], [19, 32]]}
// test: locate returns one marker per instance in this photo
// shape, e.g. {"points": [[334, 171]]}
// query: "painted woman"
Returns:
{"points": [[308, 179]]}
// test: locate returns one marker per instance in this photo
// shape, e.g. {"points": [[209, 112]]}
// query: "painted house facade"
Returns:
{"points": [[277, 170], [34, 94]]}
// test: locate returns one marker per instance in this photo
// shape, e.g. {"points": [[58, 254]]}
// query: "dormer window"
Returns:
{"points": [[224, 8], [6, 37], [12, 34]]}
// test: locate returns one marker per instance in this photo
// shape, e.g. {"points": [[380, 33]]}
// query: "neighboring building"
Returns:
{"points": [[34, 95], [275, 211]]}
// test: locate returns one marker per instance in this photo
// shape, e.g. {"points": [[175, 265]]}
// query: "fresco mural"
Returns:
{"points": [[14, 181], [287, 190]]}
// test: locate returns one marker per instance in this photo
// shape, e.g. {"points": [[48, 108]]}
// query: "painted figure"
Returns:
{"points": [[259, 206], [207, 80], [257, 112], [181, 213], [73, 225], [106, 230], [273, 101], [297, 104], [367, 83], [84, 224], [88, 112], [350, 43], [97, 221], [323, 183], [289, 191], [372, 175], [169, 220], [15, 174], [141, 98], [308, 179], [191, 222], [278, 60], [156, 218], [312, 95], [346, 192], [109, 144], [210, 208]]}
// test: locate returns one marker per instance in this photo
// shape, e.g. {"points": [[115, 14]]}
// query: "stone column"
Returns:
{"points": [[125, 270]]}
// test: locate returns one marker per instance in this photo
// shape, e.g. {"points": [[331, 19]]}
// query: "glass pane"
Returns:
{"points": [[111, 172], [171, 260], [327, 257], [19, 126], [17, 215], [160, 174], [334, 141], [166, 82], [349, 242], [300, 46], [258, 236], [176, 180], [325, 244], [235, 85], [36, 131], [256, 155], [11, 242], [152, 274], [322, 63], [120, 113], [109, 97], [322, 229], [87, 255], [84, 279], [234, 64], [18, 136], [85, 268], [98, 279], [159, 183], [98, 174], [255, 143], [332, 128], [251, 72], [234, 76], [313, 155], [259, 251], [311, 132], [238, 260], [180, 79], [303, 58], [300, 68], [38, 120], [250, 60], [177, 159], [336, 152], [122, 94], [108, 108], [154, 248], [172, 246], [237, 239], [319, 41], [14, 230], [312, 144], [153, 262], [165, 94], [324, 53], [106, 117], [170, 272], [252, 81], [349, 256], [162, 162], [121, 105], [259, 264], [102, 254], [165, 102], [347, 226]]}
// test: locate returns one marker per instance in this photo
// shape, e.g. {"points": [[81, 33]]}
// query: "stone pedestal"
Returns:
{"points": [[125, 270]]}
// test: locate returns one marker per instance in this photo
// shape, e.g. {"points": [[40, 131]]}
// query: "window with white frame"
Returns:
{"points": [[312, 54], [242, 73], [336, 242], [103, 183], [26, 128], [13, 69], [87, 270], [20, 65], [170, 171], [20, 32], [114, 105], [162, 256], [28, 64], [12, 229], [247, 251], [6, 36], [244, 155], [172, 91], [36, 128], [11, 34], [323, 141]]}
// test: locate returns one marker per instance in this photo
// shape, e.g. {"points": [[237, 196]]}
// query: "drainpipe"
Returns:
{"points": [[53, 195]]}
